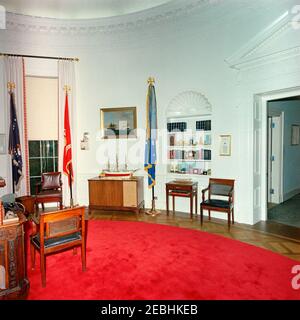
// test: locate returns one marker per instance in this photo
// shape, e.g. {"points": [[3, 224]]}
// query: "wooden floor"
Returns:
{"points": [[258, 235]]}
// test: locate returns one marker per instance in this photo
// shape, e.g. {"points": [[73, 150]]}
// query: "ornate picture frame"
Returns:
{"points": [[118, 123]]}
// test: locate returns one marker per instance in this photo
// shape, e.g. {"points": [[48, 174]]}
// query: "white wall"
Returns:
{"points": [[184, 50]]}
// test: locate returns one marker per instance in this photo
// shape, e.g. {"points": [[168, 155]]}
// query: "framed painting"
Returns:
{"points": [[295, 135], [225, 145], [118, 123]]}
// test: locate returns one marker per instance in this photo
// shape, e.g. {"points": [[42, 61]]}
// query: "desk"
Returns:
{"points": [[184, 190], [14, 283]]}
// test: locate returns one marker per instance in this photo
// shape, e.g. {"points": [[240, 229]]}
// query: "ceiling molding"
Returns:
{"points": [[170, 10], [245, 56]]}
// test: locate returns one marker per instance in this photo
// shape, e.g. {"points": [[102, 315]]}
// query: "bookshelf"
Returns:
{"points": [[189, 145]]}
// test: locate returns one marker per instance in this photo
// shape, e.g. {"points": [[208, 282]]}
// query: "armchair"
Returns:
{"points": [[221, 188], [49, 189], [58, 231]]}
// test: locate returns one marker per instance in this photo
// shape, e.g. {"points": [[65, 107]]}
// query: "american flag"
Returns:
{"points": [[14, 147]]}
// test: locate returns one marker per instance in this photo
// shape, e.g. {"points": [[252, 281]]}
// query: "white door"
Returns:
{"points": [[259, 142], [275, 160]]}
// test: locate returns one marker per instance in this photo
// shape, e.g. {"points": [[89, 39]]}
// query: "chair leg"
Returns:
{"points": [[43, 207], [83, 257], [32, 256], [209, 218], [201, 215], [232, 215], [60, 205], [228, 220], [191, 204], [43, 269]]}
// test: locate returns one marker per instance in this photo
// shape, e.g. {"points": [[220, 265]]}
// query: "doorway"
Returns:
{"points": [[283, 161]]}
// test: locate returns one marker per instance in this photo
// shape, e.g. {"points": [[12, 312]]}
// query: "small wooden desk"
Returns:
{"points": [[182, 189]]}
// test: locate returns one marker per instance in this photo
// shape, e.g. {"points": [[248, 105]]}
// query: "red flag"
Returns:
{"points": [[67, 162]]}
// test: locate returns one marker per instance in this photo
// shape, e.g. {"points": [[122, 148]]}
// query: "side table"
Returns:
{"points": [[187, 189]]}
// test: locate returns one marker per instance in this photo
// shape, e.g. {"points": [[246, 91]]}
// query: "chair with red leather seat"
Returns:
{"points": [[49, 189]]}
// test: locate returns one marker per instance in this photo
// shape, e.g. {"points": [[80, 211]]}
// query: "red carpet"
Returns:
{"points": [[136, 260]]}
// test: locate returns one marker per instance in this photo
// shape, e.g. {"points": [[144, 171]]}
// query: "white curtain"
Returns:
{"points": [[66, 77], [14, 72]]}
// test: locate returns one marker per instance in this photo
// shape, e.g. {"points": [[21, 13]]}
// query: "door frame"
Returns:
{"points": [[279, 115], [264, 98]]}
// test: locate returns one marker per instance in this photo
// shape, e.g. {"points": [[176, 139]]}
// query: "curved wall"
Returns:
{"points": [[184, 46]]}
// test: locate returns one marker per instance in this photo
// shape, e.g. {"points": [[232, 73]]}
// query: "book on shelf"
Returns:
{"points": [[203, 125]]}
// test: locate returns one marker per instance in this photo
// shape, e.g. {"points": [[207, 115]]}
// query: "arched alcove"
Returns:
{"points": [[189, 134], [189, 103]]}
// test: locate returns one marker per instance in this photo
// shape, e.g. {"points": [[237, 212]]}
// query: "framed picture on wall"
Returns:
{"points": [[118, 123], [225, 145], [295, 134], [3, 144]]}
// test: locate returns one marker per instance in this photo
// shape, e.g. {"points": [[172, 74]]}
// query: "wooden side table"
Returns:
{"points": [[184, 190]]}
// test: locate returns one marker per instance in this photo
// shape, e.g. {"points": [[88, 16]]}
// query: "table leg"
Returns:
{"points": [[167, 201], [173, 202], [191, 202]]}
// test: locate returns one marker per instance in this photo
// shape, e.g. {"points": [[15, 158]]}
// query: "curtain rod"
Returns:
{"points": [[39, 57]]}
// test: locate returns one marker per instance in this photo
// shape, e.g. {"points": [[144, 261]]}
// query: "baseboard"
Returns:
{"points": [[291, 194]]}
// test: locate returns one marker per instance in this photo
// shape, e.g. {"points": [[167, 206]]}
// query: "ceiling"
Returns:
{"points": [[79, 9]]}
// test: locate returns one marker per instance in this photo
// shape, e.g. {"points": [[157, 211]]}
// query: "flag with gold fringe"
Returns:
{"points": [[151, 135]]}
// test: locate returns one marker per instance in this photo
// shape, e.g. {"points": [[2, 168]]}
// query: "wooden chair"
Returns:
{"points": [[58, 231], [49, 189], [223, 188]]}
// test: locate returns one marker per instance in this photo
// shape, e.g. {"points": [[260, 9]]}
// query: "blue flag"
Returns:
{"points": [[14, 147], [151, 135]]}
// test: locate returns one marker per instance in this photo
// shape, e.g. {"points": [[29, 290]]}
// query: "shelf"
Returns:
{"points": [[199, 146], [189, 160]]}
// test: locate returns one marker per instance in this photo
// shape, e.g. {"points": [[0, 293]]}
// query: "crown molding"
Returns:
{"points": [[245, 58], [170, 10]]}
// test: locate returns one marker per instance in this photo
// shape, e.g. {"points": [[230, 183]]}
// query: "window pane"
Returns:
{"points": [[34, 149], [35, 167]]}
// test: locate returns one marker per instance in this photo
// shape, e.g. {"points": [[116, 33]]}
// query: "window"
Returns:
{"points": [[42, 119]]}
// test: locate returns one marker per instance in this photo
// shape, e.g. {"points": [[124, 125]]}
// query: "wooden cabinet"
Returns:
{"points": [[13, 276], [115, 193]]}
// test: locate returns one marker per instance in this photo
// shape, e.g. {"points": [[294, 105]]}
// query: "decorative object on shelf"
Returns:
{"points": [[3, 149], [84, 143], [225, 145], [150, 146], [118, 123], [295, 135]]}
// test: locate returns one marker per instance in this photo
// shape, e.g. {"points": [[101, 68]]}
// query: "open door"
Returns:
{"points": [[275, 141], [259, 160]]}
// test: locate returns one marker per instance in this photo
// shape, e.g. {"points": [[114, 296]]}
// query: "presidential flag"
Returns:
{"points": [[67, 159], [151, 135], [14, 146]]}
